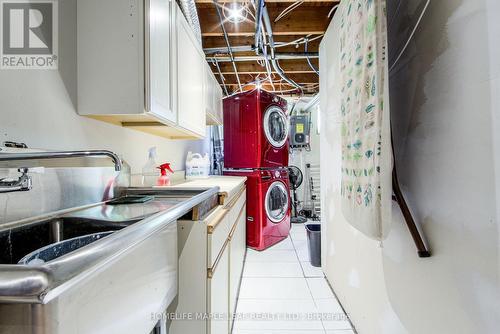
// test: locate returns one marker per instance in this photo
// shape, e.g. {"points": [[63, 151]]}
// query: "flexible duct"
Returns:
{"points": [[188, 8]]}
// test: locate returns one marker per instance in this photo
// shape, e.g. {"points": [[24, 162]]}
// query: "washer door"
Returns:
{"points": [[276, 126], [277, 200]]}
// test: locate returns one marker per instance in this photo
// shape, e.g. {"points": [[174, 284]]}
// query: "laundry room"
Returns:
{"points": [[249, 166]]}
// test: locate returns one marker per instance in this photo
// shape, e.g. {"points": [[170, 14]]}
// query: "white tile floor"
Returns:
{"points": [[282, 293]]}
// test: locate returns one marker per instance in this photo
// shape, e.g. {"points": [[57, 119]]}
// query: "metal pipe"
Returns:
{"points": [[274, 62], [222, 79], [258, 25], [221, 20], [62, 155], [312, 103], [239, 48], [309, 59], [278, 56]]}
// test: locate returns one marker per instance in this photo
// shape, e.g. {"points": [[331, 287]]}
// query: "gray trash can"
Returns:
{"points": [[314, 242]]}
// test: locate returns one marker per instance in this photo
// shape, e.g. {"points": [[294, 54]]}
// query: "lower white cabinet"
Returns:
{"points": [[237, 251], [218, 294], [211, 258]]}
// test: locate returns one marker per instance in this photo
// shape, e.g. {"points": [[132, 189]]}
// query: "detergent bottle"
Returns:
{"points": [[197, 166], [164, 179]]}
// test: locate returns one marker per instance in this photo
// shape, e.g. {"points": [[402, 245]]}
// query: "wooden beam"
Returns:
{"points": [[302, 21], [297, 77], [292, 65]]}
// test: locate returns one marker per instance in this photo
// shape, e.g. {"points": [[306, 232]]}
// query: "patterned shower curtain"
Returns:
{"points": [[366, 187]]}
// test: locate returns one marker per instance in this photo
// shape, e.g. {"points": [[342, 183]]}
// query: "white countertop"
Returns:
{"points": [[227, 184]]}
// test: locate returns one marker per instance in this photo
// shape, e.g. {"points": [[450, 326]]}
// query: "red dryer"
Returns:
{"points": [[255, 130], [268, 206]]}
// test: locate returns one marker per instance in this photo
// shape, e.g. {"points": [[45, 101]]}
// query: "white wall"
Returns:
{"points": [[445, 101], [38, 108], [302, 157]]}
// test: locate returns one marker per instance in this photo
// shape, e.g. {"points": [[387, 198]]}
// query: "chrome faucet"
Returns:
{"points": [[24, 182]]}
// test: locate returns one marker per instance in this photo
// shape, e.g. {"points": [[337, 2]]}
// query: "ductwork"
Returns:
{"points": [[188, 8]]}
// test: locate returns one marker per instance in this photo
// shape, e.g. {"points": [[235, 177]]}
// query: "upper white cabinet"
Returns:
{"points": [[160, 65], [139, 66], [190, 65], [213, 98]]}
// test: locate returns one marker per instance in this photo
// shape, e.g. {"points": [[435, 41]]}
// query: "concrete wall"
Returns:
{"points": [[37, 107], [445, 99]]}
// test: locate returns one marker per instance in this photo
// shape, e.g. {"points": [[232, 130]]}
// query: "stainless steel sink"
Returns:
{"points": [[96, 288]]}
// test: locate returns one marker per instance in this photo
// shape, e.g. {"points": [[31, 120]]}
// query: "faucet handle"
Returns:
{"points": [[34, 170]]}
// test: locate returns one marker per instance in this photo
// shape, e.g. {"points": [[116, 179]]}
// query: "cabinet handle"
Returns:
{"points": [[211, 271], [216, 221], [237, 222]]}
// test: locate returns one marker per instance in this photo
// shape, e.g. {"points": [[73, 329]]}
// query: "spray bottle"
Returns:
{"points": [[164, 179]]}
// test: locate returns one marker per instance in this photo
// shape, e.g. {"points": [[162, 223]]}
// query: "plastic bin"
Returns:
{"points": [[314, 242]]}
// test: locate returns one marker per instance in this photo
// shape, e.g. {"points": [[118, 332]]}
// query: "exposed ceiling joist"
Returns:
{"points": [[297, 77], [299, 65], [310, 19], [270, 1], [306, 21]]}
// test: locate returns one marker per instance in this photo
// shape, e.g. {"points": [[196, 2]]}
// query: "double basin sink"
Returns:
{"points": [[107, 267]]}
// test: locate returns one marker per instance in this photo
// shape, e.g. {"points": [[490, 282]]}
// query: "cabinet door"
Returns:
{"points": [[237, 257], [218, 287], [218, 109], [213, 98], [190, 78], [209, 91], [192, 271], [158, 68]]}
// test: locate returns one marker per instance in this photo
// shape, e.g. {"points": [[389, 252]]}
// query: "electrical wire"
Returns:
{"points": [[288, 10], [297, 42], [331, 10], [411, 36]]}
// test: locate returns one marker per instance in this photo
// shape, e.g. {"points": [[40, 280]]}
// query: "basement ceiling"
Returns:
{"points": [[306, 19]]}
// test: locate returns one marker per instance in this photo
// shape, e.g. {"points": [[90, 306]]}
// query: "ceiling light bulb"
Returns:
{"points": [[236, 14]]}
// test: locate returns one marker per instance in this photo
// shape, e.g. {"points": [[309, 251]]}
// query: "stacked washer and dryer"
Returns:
{"points": [[256, 146]]}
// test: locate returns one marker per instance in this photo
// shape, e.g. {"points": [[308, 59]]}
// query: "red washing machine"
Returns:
{"points": [[255, 130], [268, 206]]}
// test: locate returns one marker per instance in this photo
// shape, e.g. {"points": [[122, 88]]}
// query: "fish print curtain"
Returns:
{"points": [[366, 187]]}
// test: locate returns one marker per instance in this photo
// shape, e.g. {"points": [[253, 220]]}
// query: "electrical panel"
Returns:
{"points": [[300, 131]]}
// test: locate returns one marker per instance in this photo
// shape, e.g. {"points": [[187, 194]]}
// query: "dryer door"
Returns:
{"points": [[277, 202], [276, 126]]}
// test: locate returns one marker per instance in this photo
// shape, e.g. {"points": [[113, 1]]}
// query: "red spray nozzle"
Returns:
{"points": [[163, 168]]}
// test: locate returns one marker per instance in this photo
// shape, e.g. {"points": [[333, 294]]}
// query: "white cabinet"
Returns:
{"points": [[191, 64], [218, 294], [213, 98], [211, 255], [129, 54], [159, 72], [237, 252]]}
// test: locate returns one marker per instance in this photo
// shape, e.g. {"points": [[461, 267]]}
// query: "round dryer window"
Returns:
{"points": [[276, 126], [277, 202]]}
